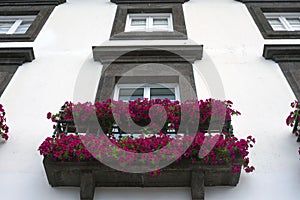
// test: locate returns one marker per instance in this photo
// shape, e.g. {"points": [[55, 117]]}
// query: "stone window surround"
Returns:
{"points": [[113, 75], [288, 59], [11, 59], [257, 10], [176, 9], [42, 13], [147, 1], [30, 2], [114, 69]]}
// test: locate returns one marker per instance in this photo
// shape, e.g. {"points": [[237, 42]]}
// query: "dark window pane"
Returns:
{"points": [[162, 93], [127, 94]]}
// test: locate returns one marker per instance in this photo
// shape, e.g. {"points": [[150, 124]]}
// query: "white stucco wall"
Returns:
{"points": [[232, 45]]}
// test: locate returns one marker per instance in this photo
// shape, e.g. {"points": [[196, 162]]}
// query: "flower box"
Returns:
{"points": [[210, 157], [90, 174]]}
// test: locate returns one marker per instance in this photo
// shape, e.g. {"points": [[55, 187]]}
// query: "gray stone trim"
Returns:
{"points": [[147, 1], [282, 52], [256, 9], [264, 1], [291, 71], [42, 12], [144, 54], [147, 64], [16, 56], [176, 9], [10, 60], [30, 2], [181, 73], [288, 58]]}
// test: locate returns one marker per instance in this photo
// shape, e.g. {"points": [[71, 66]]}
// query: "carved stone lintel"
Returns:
{"points": [[30, 2], [142, 54], [147, 1], [282, 52], [16, 56]]}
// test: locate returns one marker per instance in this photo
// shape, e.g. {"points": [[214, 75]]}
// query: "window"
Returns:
{"points": [[127, 92], [141, 65], [284, 21], [22, 23], [149, 22], [15, 24], [157, 21], [276, 20]]}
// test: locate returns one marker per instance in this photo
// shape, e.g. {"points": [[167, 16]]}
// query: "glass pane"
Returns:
{"points": [[6, 22], [138, 22], [5, 26], [162, 93], [296, 28], [22, 28], [160, 21], [274, 21], [276, 24], [26, 23], [293, 21], [127, 94], [278, 27]]}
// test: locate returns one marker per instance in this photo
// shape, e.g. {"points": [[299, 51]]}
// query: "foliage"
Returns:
{"points": [[109, 113], [221, 148], [3, 127], [70, 147]]}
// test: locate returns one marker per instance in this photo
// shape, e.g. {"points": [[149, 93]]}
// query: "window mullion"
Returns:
{"points": [[285, 23], [170, 22], [14, 27], [150, 23], [147, 92]]}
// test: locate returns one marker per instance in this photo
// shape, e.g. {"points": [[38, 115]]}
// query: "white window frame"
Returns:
{"points": [[18, 20], [149, 27], [282, 17], [147, 88]]}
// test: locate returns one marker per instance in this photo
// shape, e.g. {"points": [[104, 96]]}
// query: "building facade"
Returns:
{"points": [[246, 51]]}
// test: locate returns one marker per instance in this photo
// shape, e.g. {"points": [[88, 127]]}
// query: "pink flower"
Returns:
{"points": [[5, 136]]}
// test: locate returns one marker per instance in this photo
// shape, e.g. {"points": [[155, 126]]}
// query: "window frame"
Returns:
{"points": [[149, 26], [283, 18], [16, 23], [147, 87], [258, 10], [179, 28], [41, 12]]}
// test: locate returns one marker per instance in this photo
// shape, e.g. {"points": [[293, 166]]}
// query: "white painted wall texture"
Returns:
{"points": [[232, 44]]}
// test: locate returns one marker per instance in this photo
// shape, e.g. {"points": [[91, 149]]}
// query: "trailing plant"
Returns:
{"points": [[219, 149], [3, 127], [292, 120], [109, 113], [71, 147]]}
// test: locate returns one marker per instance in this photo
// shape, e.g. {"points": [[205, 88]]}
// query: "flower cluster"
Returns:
{"points": [[3, 126], [64, 147], [127, 114], [143, 149], [226, 150], [291, 119]]}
